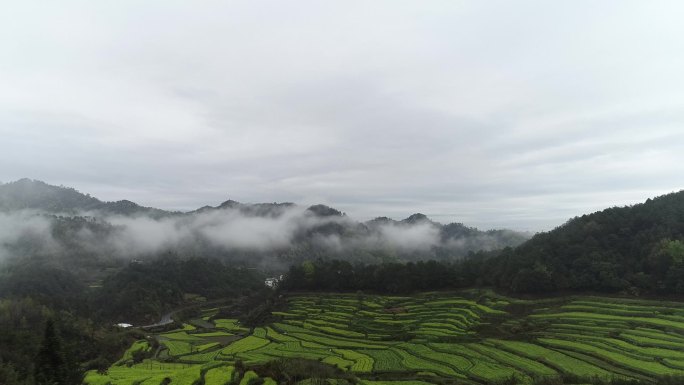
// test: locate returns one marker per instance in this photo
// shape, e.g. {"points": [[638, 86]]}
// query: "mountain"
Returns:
{"points": [[324, 211], [56, 223], [635, 249], [417, 218], [36, 195], [33, 194], [269, 210]]}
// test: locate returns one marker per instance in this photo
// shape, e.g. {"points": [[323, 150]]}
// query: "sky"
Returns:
{"points": [[491, 113]]}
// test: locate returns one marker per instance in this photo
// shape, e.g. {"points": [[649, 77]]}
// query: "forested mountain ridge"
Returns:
{"points": [[637, 248], [50, 221]]}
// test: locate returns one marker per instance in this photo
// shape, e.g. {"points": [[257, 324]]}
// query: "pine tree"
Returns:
{"points": [[51, 365]]}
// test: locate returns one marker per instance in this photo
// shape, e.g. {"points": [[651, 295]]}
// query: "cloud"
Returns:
{"points": [[233, 230], [421, 236], [28, 229], [259, 236], [474, 112], [230, 229]]}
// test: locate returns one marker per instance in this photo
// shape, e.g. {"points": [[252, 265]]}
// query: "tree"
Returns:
{"points": [[536, 280], [9, 376], [51, 365]]}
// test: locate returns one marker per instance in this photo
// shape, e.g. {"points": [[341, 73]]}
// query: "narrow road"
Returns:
{"points": [[167, 318]]}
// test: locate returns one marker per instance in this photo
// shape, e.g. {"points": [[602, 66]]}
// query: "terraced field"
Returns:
{"points": [[470, 338], [639, 339]]}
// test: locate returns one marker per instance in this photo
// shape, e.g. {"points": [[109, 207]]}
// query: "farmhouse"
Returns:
{"points": [[124, 325], [273, 281]]}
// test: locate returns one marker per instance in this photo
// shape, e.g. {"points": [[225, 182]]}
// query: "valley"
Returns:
{"points": [[597, 300]]}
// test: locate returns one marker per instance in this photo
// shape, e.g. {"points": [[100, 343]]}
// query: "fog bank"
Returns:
{"points": [[259, 234]]}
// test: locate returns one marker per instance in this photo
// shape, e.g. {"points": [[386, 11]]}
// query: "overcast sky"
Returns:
{"points": [[516, 114]]}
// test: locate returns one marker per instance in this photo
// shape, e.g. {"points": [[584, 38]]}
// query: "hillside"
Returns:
{"points": [[465, 338], [635, 249], [37, 195]]}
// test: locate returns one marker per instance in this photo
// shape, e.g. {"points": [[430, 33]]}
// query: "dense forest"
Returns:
{"points": [[636, 249], [390, 278], [142, 291], [77, 321]]}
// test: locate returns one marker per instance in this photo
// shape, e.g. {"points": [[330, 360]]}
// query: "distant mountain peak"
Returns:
{"points": [[417, 218], [325, 211], [126, 202], [28, 193], [33, 194], [229, 204], [381, 220]]}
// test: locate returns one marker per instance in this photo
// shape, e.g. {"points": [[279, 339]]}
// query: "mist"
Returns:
{"points": [[259, 237], [233, 230], [28, 228]]}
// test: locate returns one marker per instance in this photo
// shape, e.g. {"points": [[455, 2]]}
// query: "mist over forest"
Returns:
{"points": [[56, 224]]}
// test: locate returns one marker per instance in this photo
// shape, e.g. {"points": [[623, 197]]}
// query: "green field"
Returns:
{"points": [[465, 338]]}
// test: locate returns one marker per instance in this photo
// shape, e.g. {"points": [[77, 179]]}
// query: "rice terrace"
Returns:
{"points": [[468, 337]]}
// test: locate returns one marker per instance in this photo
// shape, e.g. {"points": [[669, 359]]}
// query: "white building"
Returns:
{"points": [[124, 325], [273, 282]]}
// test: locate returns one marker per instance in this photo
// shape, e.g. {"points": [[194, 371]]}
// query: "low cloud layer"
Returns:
{"points": [[232, 230], [294, 232], [227, 229], [28, 228]]}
